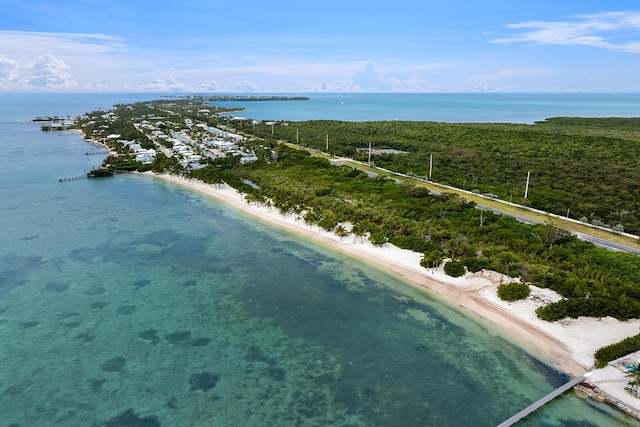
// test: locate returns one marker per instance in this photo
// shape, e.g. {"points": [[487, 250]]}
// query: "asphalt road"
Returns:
{"points": [[603, 243]]}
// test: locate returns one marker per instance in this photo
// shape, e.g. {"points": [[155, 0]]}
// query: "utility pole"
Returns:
{"points": [[369, 152], [430, 165], [327, 150], [526, 189], [297, 138]]}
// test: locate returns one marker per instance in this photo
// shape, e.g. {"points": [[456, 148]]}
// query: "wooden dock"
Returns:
{"points": [[71, 178], [549, 397]]}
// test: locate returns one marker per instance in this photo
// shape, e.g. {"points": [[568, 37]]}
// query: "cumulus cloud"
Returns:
{"points": [[604, 31], [246, 87], [305, 86], [8, 71], [162, 85], [48, 72], [368, 79], [207, 86]]}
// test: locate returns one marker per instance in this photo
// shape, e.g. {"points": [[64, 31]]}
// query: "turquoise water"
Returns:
{"points": [[470, 107], [131, 301]]}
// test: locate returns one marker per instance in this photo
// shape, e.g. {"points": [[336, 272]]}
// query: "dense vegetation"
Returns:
{"points": [[454, 268], [594, 281], [610, 352], [586, 168], [513, 291]]}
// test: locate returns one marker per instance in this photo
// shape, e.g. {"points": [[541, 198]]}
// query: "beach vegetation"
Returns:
{"points": [[513, 291], [610, 352], [432, 258], [633, 373], [454, 268], [100, 173]]}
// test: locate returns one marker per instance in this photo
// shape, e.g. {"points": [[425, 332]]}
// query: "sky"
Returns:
{"points": [[413, 46]]}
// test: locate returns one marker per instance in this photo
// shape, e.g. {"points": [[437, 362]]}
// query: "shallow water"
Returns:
{"points": [[132, 301]]}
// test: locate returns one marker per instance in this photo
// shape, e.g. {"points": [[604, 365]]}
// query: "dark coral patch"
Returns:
{"points": [[95, 290], [150, 335], [114, 365], [200, 342], [277, 374], [255, 354], [203, 381], [178, 337], [31, 324], [56, 286], [126, 310], [96, 385], [141, 283], [71, 325], [129, 418], [99, 305], [13, 390], [86, 336]]}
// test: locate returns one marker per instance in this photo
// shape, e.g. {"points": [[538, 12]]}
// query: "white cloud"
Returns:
{"points": [[207, 86], [48, 72], [8, 71], [22, 44], [369, 79], [305, 86], [604, 31], [162, 85], [246, 87]]}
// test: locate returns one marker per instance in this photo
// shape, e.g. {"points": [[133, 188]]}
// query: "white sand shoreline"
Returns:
{"points": [[567, 345]]}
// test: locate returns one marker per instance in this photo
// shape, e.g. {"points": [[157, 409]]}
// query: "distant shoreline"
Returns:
{"points": [[237, 98]]}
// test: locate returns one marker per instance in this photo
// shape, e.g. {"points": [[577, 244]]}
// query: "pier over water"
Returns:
{"points": [[71, 178], [546, 399]]}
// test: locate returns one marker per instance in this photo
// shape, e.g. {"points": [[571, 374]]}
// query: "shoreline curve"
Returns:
{"points": [[567, 345]]}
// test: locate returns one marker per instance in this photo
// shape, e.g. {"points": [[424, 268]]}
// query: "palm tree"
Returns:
{"points": [[633, 372], [341, 231], [358, 231], [297, 210]]}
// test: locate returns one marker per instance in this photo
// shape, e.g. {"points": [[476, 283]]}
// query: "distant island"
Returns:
{"points": [[241, 98], [55, 123], [48, 119]]}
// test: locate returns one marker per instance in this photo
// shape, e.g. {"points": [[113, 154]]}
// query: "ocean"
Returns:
{"points": [[458, 107], [131, 301]]}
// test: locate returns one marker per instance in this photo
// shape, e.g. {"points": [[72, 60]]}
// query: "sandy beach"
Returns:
{"points": [[568, 345]]}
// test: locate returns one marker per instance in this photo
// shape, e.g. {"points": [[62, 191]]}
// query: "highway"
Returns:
{"points": [[603, 243]]}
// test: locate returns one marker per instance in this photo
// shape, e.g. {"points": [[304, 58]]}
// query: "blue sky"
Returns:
{"points": [[320, 46]]}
